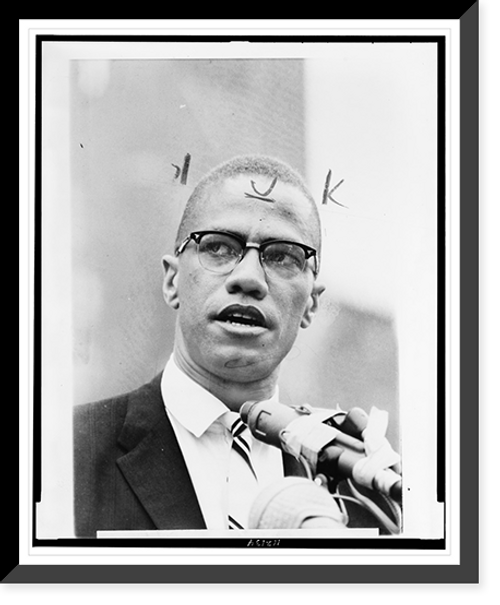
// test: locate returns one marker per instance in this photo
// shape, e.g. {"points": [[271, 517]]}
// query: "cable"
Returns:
{"points": [[306, 466], [374, 509]]}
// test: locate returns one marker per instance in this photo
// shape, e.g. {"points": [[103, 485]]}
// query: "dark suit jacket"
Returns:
{"points": [[129, 470], [130, 473]]}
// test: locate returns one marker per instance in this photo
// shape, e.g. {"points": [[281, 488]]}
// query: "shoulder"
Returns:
{"points": [[100, 415], [105, 418]]}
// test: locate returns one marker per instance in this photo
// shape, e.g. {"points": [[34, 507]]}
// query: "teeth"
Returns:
{"points": [[238, 317], [239, 321]]}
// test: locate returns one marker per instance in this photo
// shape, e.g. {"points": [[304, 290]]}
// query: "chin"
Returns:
{"points": [[244, 367]]}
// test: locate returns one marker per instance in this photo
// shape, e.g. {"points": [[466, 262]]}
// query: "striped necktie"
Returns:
{"points": [[242, 478]]}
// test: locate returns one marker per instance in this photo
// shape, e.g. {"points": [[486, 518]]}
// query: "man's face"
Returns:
{"points": [[210, 338]]}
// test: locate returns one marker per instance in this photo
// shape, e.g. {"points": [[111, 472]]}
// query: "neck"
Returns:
{"points": [[233, 393]]}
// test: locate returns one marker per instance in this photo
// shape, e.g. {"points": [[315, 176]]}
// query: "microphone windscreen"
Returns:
{"points": [[295, 503]]}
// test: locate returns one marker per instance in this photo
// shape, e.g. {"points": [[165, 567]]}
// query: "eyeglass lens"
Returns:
{"points": [[221, 252]]}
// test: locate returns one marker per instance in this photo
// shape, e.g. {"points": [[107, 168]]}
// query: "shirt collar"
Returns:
{"points": [[192, 405]]}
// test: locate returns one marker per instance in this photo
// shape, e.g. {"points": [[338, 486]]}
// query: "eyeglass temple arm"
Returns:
{"points": [[180, 248]]}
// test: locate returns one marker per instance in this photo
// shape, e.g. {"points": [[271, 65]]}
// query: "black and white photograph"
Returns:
{"points": [[245, 265]]}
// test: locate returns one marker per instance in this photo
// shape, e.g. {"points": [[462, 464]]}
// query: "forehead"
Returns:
{"points": [[258, 206]]}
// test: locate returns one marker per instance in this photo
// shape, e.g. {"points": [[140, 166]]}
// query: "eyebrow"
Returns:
{"points": [[245, 239]]}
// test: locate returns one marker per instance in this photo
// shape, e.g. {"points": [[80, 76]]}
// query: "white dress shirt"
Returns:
{"points": [[206, 443]]}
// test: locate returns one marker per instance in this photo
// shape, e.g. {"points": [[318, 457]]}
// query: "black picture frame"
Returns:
{"points": [[468, 569]]}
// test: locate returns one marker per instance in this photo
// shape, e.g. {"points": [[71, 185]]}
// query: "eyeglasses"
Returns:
{"points": [[220, 252]]}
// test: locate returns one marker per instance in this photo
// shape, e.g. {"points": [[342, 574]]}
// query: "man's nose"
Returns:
{"points": [[248, 276]]}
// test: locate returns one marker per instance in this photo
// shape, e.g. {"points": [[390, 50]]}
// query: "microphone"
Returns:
{"points": [[295, 503], [306, 435]]}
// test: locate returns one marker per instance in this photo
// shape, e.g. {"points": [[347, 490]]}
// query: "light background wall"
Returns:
{"points": [[131, 120]]}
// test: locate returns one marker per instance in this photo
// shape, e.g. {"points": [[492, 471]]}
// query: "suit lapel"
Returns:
{"points": [[154, 466]]}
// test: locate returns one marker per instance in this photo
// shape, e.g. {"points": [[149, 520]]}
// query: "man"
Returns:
{"points": [[243, 281]]}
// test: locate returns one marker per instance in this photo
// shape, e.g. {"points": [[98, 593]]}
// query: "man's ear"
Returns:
{"points": [[170, 281], [312, 305]]}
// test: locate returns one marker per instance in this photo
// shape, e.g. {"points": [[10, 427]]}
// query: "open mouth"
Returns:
{"points": [[242, 315]]}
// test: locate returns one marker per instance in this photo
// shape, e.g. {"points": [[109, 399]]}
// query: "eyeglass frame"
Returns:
{"points": [[197, 235]]}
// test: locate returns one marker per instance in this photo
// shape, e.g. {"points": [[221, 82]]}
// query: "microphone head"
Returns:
{"points": [[295, 503], [355, 422], [245, 409]]}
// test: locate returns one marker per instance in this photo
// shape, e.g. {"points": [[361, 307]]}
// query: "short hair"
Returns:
{"points": [[248, 164]]}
